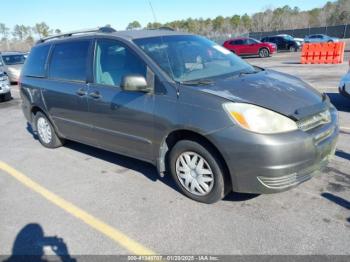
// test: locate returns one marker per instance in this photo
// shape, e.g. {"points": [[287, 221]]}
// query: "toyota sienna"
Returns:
{"points": [[183, 103]]}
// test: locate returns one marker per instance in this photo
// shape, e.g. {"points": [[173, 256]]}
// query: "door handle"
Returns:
{"points": [[81, 92], [95, 95]]}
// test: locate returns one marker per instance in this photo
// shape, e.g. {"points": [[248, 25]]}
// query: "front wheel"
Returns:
{"points": [[46, 133], [197, 172], [293, 49], [264, 52]]}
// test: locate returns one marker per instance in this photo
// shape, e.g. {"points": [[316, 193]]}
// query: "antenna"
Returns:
{"points": [[154, 14]]}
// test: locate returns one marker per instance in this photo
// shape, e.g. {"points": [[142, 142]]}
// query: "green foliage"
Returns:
{"points": [[285, 17], [42, 29], [281, 18], [133, 25], [4, 31], [21, 32]]}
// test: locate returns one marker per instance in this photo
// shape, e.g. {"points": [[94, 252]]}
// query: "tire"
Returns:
{"points": [[7, 96], [215, 189], [45, 131], [293, 49], [264, 52]]}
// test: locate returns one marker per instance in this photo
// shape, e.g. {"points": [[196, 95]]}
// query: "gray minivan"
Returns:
{"points": [[183, 103]]}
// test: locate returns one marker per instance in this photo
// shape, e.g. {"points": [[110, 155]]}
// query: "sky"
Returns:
{"points": [[70, 15]]}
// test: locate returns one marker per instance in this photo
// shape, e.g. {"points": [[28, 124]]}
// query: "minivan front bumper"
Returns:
{"points": [[263, 164]]}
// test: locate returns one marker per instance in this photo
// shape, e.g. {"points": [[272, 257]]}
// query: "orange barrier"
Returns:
{"points": [[323, 53]]}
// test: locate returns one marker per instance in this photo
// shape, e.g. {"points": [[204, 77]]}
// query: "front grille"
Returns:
{"points": [[314, 121]]}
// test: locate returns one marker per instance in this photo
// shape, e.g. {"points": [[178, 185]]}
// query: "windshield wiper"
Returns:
{"points": [[256, 70], [200, 82], [248, 73]]}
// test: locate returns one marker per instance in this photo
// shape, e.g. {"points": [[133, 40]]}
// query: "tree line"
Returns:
{"points": [[282, 18], [22, 37]]}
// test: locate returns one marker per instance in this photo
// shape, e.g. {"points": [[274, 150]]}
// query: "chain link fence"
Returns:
{"points": [[340, 31]]}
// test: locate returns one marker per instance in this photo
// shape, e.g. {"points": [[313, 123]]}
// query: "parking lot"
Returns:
{"points": [[98, 202]]}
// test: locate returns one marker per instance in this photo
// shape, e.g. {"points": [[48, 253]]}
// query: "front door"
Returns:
{"points": [[252, 46], [122, 120]]}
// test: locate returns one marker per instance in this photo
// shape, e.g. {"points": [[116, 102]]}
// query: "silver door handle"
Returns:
{"points": [[81, 92], [95, 95]]}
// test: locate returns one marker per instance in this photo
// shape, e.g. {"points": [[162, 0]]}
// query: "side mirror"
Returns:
{"points": [[135, 83]]}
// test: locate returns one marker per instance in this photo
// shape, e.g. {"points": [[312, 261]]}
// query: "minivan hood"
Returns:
{"points": [[279, 92]]}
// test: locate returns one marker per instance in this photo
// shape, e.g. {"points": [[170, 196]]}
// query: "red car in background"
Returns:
{"points": [[250, 46]]}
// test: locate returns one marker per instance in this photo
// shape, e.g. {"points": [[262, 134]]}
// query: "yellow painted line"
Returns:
{"points": [[114, 234]]}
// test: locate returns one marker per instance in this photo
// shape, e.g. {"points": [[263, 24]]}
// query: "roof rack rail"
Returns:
{"points": [[105, 29], [165, 28]]}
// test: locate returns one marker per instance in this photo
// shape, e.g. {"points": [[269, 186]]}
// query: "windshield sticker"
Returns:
{"points": [[222, 49]]}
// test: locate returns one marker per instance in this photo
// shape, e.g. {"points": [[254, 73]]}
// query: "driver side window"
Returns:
{"points": [[113, 61]]}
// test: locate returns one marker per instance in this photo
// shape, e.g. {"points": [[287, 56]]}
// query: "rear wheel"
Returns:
{"points": [[264, 52], [197, 172], [46, 133]]}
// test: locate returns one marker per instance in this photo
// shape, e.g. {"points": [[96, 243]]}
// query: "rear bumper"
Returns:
{"points": [[274, 163]]}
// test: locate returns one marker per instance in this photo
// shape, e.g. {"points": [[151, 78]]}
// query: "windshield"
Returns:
{"points": [[254, 41], [190, 58], [13, 59], [288, 37]]}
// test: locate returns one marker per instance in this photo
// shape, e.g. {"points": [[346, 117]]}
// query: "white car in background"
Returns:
{"points": [[5, 89], [11, 63], [344, 85], [321, 39]]}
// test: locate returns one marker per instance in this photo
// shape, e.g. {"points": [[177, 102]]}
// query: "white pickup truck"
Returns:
{"points": [[5, 89]]}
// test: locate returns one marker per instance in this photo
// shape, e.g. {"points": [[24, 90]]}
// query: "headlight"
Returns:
{"points": [[258, 119], [4, 78]]}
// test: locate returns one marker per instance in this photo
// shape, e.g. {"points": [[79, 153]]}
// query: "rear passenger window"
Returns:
{"points": [[114, 61], [35, 64], [238, 42], [69, 61]]}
